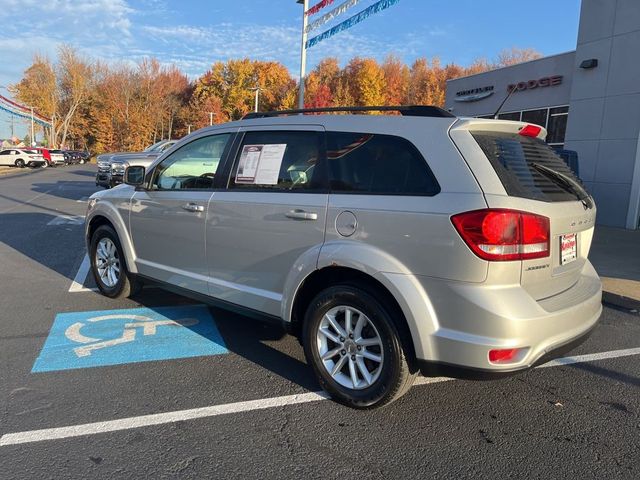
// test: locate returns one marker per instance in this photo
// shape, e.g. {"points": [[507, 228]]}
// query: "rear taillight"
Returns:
{"points": [[501, 235]]}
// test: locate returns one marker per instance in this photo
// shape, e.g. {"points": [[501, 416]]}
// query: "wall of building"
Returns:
{"points": [[604, 118], [529, 98]]}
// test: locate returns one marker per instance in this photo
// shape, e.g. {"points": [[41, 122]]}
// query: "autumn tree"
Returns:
{"points": [[110, 107], [397, 77], [75, 80], [514, 55], [39, 89]]}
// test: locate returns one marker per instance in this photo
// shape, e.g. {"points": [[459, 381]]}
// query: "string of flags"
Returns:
{"points": [[13, 108], [337, 11]]}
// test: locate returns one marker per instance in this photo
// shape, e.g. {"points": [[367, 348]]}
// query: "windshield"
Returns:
{"points": [[155, 146]]}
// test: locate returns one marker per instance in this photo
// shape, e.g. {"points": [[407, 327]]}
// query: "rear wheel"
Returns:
{"points": [[20, 163], [108, 265], [353, 345]]}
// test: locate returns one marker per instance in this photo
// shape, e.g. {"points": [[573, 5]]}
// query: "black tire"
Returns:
{"points": [[20, 163], [126, 284], [395, 376]]}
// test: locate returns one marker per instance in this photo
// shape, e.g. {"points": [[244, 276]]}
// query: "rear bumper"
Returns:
{"points": [[441, 369], [455, 324]]}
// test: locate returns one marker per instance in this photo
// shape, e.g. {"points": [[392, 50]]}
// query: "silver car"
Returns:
{"points": [[111, 166], [389, 245]]}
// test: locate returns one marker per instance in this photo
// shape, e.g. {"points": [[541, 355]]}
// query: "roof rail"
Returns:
{"points": [[406, 110]]}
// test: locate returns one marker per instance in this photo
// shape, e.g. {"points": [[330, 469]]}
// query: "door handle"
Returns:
{"points": [[301, 215], [193, 207]]}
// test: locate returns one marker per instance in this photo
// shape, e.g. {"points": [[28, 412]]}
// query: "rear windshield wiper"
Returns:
{"points": [[567, 182]]}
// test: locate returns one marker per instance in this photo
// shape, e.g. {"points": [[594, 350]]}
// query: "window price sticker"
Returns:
{"points": [[260, 164]]}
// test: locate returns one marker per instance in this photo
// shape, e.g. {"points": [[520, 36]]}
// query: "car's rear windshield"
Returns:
{"points": [[514, 158]]}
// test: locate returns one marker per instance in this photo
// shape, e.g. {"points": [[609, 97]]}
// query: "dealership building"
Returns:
{"points": [[587, 99]]}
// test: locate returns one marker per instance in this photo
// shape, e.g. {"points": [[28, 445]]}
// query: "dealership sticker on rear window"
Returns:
{"points": [[113, 337], [568, 248]]}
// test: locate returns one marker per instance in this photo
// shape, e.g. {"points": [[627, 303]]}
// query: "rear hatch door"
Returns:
{"points": [[522, 172]]}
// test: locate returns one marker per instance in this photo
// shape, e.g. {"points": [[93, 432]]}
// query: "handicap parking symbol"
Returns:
{"points": [[113, 337]]}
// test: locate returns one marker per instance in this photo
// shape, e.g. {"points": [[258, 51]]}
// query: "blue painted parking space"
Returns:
{"points": [[113, 337]]}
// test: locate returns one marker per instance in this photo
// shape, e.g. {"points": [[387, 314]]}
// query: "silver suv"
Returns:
{"points": [[389, 244]]}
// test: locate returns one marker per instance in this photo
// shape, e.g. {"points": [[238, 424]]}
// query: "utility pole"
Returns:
{"points": [[303, 51], [210, 118], [257, 99]]}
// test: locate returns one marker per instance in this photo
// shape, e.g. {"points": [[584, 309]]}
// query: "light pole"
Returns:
{"points": [[189, 127], [303, 51], [210, 118], [257, 99]]}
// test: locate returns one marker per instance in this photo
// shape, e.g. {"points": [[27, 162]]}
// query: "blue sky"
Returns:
{"points": [[193, 34]]}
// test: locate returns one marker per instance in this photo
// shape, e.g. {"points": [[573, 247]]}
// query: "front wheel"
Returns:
{"points": [[108, 264], [353, 345], [20, 163]]}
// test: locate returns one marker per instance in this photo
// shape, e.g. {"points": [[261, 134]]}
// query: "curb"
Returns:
{"points": [[615, 300]]}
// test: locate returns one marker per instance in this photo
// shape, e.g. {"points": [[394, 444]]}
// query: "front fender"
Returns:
{"points": [[111, 212], [305, 265]]}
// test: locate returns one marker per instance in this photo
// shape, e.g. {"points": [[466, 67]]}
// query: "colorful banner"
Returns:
{"points": [[327, 17], [317, 7], [13, 105], [25, 116], [350, 22]]}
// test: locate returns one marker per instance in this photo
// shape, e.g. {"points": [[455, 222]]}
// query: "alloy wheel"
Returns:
{"points": [[350, 347], [108, 262]]}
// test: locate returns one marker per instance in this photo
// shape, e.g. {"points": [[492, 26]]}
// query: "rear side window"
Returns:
{"points": [[513, 158], [374, 164]]}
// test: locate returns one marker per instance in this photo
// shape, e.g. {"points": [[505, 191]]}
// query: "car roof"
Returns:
{"points": [[348, 123]]}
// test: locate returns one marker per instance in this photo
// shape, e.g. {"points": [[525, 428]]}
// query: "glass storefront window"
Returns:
{"points": [[510, 116], [539, 117], [553, 119]]}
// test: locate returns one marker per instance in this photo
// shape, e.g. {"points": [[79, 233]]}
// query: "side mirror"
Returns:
{"points": [[134, 176]]}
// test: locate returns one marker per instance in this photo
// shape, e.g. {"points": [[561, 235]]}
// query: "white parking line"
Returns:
{"points": [[67, 220], [238, 407], [78, 282]]}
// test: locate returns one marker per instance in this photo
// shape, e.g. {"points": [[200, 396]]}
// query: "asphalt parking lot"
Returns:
{"points": [[160, 387]]}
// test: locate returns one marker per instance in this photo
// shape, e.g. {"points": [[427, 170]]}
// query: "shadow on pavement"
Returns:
{"points": [[69, 189], [246, 337], [44, 245], [611, 374], [84, 173]]}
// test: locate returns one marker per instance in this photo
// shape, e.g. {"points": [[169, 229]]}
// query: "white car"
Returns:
{"points": [[57, 157], [16, 157]]}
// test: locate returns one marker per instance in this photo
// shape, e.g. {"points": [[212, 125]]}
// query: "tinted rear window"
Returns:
{"points": [[375, 164], [512, 156]]}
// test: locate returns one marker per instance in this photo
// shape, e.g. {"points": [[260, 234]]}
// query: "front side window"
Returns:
{"points": [[377, 164], [277, 160], [193, 166]]}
